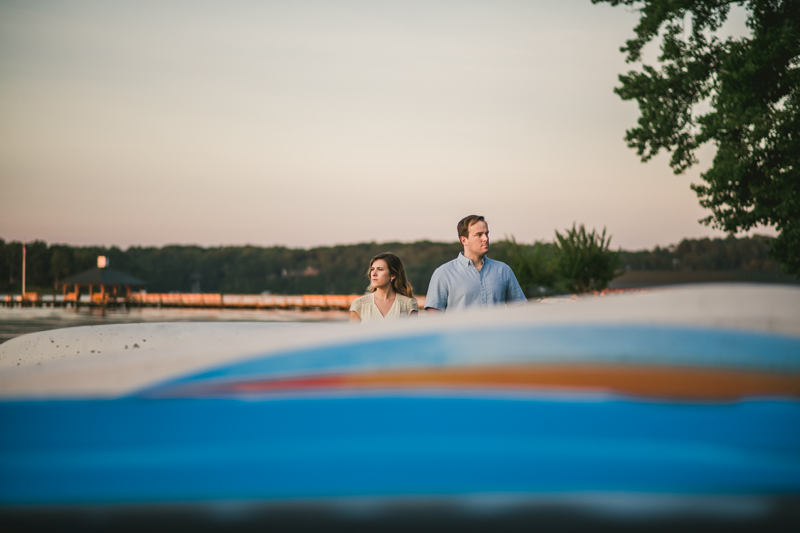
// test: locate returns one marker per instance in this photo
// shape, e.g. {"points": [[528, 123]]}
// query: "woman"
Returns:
{"points": [[390, 293]]}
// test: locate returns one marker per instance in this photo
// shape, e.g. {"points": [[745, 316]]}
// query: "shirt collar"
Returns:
{"points": [[464, 260]]}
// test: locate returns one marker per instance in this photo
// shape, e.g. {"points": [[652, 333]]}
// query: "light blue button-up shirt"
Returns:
{"points": [[458, 284]]}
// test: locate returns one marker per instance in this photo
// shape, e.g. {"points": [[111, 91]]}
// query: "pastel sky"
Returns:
{"points": [[317, 123]]}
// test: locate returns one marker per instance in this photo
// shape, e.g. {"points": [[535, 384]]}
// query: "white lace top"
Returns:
{"points": [[367, 310]]}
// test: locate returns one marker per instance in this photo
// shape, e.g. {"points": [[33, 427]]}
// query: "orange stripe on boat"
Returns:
{"points": [[647, 381]]}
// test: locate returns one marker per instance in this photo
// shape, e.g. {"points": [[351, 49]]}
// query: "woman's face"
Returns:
{"points": [[379, 274]]}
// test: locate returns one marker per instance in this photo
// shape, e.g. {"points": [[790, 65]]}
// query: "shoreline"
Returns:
{"points": [[17, 321]]}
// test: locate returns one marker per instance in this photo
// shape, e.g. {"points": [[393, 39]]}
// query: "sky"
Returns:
{"points": [[305, 123]]}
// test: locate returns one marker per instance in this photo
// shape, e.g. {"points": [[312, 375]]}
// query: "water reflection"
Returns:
{"points": [[22, 320]]}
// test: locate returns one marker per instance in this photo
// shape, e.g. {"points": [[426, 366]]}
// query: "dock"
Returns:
{"points": [[333, 302]]}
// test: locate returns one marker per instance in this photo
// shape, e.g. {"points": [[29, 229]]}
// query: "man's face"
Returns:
{"points": [[478, 241]]}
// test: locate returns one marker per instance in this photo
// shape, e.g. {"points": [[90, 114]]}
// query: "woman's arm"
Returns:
{"points": [[413, 312], [354, 318]]}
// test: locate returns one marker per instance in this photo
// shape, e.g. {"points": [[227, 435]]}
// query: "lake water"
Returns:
{"points": [[19, 321]]}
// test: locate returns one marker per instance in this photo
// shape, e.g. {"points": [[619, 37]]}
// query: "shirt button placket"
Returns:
{"points": [[483, 289]]}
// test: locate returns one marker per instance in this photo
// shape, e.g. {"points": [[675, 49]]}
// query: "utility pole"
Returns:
{"points": [[23, 270]]}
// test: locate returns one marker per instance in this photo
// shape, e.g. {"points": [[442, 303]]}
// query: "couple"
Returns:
{"points": [[470, 280]]}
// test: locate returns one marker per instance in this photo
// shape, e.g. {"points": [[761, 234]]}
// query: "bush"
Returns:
{"points": [[533, 264], [576, 262], [584, 261]]}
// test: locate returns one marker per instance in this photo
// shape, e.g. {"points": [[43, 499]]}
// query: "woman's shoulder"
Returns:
{"points": [[408, 303], [360, 302]]}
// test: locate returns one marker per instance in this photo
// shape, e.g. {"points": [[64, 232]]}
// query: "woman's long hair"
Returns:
{"points": [[400, 284]]}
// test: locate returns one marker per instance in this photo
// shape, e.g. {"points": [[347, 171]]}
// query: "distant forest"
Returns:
{"points": [[322, 270]]}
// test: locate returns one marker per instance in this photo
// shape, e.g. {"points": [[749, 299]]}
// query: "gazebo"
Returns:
{"points": [[103, 282]]}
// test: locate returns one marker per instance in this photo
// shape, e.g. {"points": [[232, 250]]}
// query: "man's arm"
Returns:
{"points": [[436, 299], [514, 293]]}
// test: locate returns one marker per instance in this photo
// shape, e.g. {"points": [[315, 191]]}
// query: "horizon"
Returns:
{"points": [[404, 243]]}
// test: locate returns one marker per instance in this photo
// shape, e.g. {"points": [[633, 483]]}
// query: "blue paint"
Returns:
{"points": [[447, 442], [618, 344], [138, 450]]}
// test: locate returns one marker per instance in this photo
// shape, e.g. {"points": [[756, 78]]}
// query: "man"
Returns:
{"points": [[472, 279]]}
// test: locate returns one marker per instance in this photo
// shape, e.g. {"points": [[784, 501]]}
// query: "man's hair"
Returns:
{"points": [[465, 223]]}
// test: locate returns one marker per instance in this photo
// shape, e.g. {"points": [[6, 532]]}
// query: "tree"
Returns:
{"points": [[534, 265], [60, 263], [741, 94], [585, 262]]}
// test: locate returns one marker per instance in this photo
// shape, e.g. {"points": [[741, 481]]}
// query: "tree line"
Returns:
{"points": [[577, 260]]}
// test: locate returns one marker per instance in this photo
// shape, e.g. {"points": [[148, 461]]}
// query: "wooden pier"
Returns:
{"points": [[189, 300], [246, 301]]}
